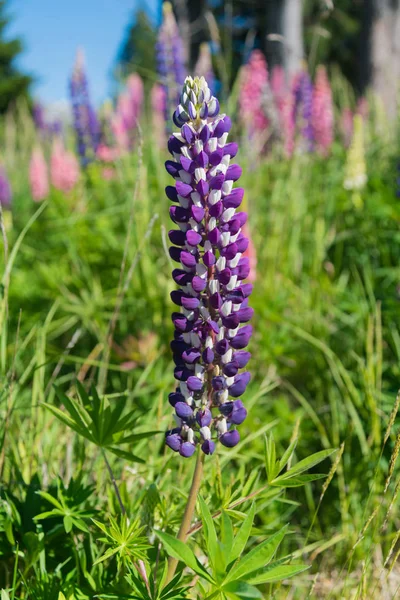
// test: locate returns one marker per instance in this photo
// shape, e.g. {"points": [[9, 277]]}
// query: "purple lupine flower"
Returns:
{"points": [[170, 65], [38, 116], [86, 124], [210, 331], [303, 95], [5, 189]]}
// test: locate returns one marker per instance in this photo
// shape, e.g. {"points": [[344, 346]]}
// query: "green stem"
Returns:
{"points": [[189, 511]]}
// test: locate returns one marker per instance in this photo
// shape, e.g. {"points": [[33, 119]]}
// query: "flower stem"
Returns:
{"points": [[189, 511]]}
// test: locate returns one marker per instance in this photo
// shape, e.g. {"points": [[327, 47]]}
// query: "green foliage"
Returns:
{"points": [[13, 83], [232, 571], [94, 419], [125, 540], [325, 373]]}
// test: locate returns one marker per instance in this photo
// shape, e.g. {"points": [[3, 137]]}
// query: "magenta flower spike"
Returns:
{"points": [[322, 112], [38, 175], [211, 333], [254, 81], [64, 167], [5, 189]]}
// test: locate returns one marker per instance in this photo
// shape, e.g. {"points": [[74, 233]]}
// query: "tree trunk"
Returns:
{"points": [[292, 29], [386, 52], [381, 51]]}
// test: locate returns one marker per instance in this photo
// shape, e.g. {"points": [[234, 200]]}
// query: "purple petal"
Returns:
{"points": [[174, 441], [183, 189], [183, 410], [234, 199], [208, 447], [177, 237], [239, 386], [187, 449], [242, 337], [198, 284], [188, 259], [241, 358], [194, 384], [198, 213], [230, 438], [192, 237], [204, 417], [209, 259], [171, 192]]}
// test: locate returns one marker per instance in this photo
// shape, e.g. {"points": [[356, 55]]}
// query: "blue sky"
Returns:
{"points": [[53, 29]]}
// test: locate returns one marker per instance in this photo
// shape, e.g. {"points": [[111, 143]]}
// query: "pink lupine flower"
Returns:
{"points": [[106, 153], [135, 89], [38, 175], [64, 167], [362, 108], [254, 79], [322, 112], [158, 108], [120, 132], [278, 83]]}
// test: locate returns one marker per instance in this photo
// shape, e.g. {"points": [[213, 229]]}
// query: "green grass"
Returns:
{"points": [[93, 265]]}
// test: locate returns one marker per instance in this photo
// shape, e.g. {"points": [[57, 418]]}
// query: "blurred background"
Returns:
{"points": [[360, 38], [87, 91]]}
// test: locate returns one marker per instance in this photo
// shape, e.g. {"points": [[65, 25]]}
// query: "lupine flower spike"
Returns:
{"points": [[254, 80], [322, 112], [346, 126], [303, 97], [5, 189], [38, 175], [356, 171], [210, 337], [64, 168], [169, 50], [86, 125]]}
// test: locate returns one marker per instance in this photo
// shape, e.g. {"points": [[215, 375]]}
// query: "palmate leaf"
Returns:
{"points": [[93, 418]]}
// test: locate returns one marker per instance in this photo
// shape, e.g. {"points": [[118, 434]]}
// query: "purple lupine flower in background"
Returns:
{"points": [[204, 66], [5, 189], [210, 332], [303, 96], [38, 117], [86, 124], [170, 64]]}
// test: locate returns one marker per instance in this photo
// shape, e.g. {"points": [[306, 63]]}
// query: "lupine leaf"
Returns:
{"points": [[182, 552], [286, 455], [297, 481], [210, 534], [240, 541], [308, 462], [125, 454], [278, 573], [243, 590], [258, 557], [51, 499], [135, 437]]}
